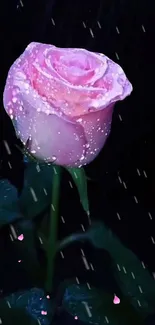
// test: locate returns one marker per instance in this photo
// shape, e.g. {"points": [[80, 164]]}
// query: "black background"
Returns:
{"points": [[124, 30]]}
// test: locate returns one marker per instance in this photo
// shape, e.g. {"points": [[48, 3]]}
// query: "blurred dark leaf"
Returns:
{"points": [[37, 190], [11, 316], [131, 274], [26, 245], [9, 204], [95, 234], [28, 307], [96, 307], [150, 320], [98, 234]]}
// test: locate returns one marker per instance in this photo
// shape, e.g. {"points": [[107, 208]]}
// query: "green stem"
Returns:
{"points": [[54, 218]]}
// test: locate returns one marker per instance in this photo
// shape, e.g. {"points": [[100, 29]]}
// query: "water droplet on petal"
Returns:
{"points": [[54, 158], [91, 109], [82, 158], [14, 99]]}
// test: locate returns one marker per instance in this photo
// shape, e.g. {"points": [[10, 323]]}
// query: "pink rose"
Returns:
{"points": [[62, 100]]}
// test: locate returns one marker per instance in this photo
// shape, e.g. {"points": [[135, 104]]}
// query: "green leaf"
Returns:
{"points": [[26, 307], [96, 234], [131, 274], [71, 239], [27, 250], [10, 316], [37, 190], [9, 208], [80, 180], [64, 242], [99, 235], [96, 307]]}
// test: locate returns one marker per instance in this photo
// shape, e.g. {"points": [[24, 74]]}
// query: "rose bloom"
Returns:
{"points": [[61, 101]]}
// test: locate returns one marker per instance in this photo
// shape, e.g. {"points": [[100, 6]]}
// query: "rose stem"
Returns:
{"points": [[54, 218]]}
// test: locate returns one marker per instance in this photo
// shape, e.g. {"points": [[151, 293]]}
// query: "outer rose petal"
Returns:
{"points": [[53, 137], [97, 127]]}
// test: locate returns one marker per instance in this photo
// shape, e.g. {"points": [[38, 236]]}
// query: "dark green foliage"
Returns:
{"points": [[27, 250], [26, 308], [37, 190], [9, 205], [134, 280], [96, 307], [135, 283]]}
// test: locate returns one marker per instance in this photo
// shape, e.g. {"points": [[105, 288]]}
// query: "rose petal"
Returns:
{"points": [[97, 128], [74, 75], [76, 66], [107, 85], [53, 137], [63, 142]]}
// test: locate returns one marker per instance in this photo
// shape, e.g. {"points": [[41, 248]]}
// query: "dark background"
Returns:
{"points": [[123, 193]]}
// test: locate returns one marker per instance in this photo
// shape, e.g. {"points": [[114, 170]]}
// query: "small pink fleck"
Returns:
{"points": [[116, 300], [19, 261], [21, 237], [43, 312], [75, 317], [48, 297]]}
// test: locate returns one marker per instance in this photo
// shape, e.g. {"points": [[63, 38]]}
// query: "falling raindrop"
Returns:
{"points": [[117, 30], [7, 147], [99, 25], [53, 22]]}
